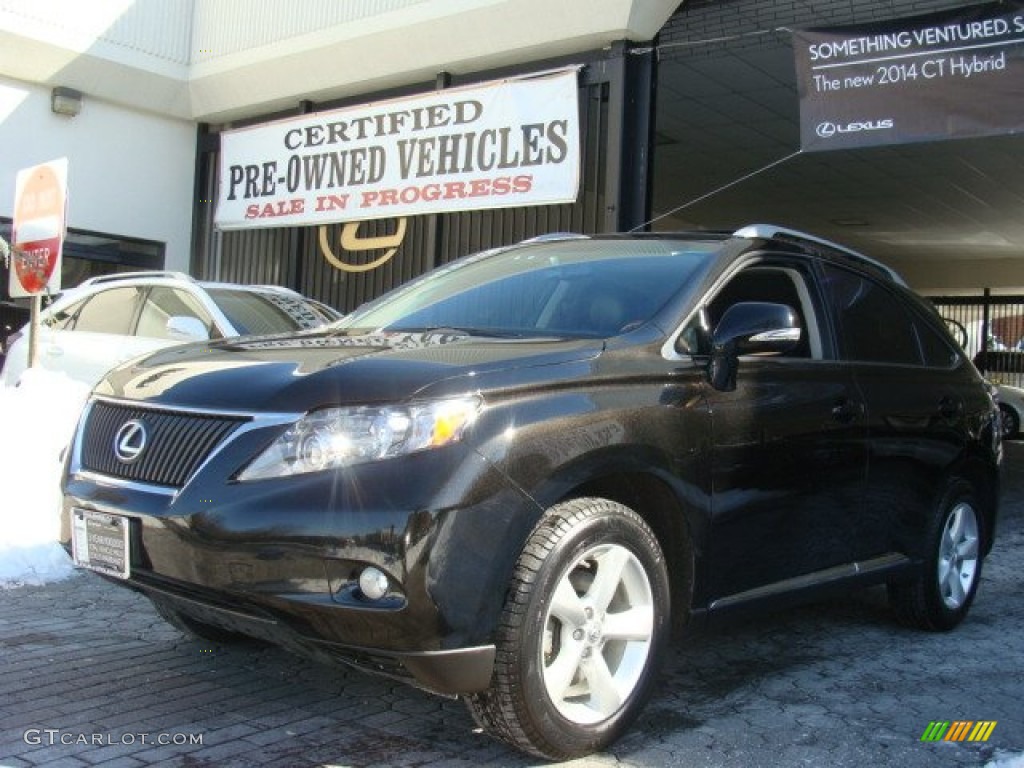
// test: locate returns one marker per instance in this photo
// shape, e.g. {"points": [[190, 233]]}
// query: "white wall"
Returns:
{"points": [[217, 61], [129, 172], [258, 56], [150, 69]]}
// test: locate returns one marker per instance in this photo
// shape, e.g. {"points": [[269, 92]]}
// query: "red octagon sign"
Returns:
{"points": [[38, 235]]}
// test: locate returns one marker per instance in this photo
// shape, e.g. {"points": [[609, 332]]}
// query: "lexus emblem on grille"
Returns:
{"points": [[130, 441]]}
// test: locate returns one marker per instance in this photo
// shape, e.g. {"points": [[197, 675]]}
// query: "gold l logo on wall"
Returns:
{"points": [[350, 241]]}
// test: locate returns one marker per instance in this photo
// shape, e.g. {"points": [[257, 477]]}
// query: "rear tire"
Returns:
{"points": [[582, 633], [941, 595]]}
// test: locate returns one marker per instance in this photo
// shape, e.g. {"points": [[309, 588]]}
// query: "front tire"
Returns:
{"points": [[582, 634], [941, 595]]}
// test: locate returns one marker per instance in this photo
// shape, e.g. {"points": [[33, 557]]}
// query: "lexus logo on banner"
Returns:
{"points": [[948, 75]]}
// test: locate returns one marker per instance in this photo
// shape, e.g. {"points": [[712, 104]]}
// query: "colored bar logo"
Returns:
{"points": [[959, 730]]}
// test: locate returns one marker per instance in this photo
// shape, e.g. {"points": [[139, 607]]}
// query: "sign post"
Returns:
{"points": [[40, 209]]}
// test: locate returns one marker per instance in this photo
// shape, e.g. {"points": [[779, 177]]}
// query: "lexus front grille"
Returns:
{"points": [[167, 449]]}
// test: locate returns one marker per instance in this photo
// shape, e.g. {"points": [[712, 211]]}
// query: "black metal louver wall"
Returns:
{"points": [[347, 290], [615, 105], [237, 250]]}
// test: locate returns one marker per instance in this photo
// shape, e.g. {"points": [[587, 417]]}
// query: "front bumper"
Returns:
{"points": [[447, 672], [280, 559]]}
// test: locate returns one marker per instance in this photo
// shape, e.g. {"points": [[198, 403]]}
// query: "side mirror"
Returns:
{"points": [[183, 328], [750, 328]]}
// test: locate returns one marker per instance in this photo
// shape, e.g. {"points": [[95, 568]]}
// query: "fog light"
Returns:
{"points": [[373, 583]]}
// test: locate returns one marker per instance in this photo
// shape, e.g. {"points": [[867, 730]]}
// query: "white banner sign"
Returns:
{"points": [[499, 145]]}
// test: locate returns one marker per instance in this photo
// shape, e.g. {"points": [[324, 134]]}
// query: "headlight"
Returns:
{"points": [[339, 437]]}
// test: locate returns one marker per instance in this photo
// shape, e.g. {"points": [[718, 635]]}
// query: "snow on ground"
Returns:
{"points": [[37, 418]]}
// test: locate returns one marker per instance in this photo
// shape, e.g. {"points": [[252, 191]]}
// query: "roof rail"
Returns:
{"points": [[557, 236], [773, 232], [155, 274]]}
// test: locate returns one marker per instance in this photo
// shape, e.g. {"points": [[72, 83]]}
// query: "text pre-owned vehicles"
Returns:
{"points": [[109, 319], [512, 477]]}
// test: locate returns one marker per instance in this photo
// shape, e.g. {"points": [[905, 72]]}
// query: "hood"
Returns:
{"points": [[299, 372]]}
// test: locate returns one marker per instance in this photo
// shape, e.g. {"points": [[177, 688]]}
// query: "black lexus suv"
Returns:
{"points": [[512, 478]]}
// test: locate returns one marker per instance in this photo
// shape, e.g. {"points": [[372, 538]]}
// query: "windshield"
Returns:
{"points": [[575, 288]]}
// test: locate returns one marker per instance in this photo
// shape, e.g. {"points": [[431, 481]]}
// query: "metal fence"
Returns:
{"points": [[991, 331]]}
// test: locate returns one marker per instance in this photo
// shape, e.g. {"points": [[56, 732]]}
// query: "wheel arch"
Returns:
{"points": [[984, 479], [497, 530], [1014, 409], [654, 500]]}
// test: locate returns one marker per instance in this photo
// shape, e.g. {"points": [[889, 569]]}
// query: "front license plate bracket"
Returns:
{"points": [[100, 542]]}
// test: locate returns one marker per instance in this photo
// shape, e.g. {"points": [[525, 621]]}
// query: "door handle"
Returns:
{"points": [[950, 407], [846, 410]]}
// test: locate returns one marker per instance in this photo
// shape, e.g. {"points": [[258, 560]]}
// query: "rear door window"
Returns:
{"points": [[111, 311], [876, 326]]}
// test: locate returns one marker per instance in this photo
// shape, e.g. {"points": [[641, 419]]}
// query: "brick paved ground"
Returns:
{"points": [[830, 684]]}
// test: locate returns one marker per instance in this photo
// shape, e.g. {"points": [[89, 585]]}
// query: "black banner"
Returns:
{"points": [[954, 74]]}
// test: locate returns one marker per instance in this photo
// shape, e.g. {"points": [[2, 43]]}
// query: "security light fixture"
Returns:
{"points": [[66, 101]]}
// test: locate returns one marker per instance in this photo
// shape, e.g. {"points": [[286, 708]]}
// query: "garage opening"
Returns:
{"points": [[945, 214]]}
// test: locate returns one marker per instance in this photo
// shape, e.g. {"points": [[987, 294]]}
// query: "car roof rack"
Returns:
{"points": [[149, 274], [773, 232], [550, 236]]}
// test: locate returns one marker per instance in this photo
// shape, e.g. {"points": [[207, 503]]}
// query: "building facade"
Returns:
{"points": [[687, 115]]}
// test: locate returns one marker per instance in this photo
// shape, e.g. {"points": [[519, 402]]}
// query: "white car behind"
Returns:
{"points": [[107, 320], [1011, 408]]}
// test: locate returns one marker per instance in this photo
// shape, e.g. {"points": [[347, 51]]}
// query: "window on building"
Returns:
{"points": [[88, 254]]}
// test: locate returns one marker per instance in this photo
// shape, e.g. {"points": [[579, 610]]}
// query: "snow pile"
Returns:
{"points": [[1007, 760], [38, 418]]}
